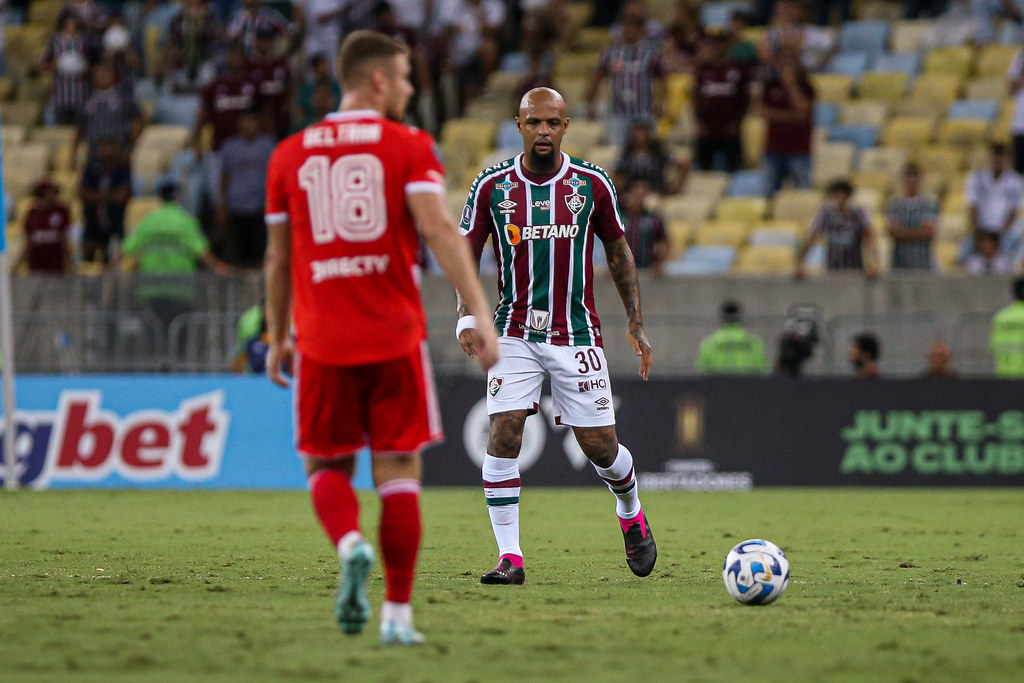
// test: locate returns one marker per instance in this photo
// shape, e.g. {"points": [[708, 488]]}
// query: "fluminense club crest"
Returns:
{"points": [[575, 202], [494, 386]]}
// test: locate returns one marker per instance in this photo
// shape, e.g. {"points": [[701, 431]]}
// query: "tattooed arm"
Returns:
{"points": [[623, 271]]}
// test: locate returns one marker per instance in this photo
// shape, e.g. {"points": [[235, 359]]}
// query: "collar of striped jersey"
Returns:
{"points": [[561, 172], [352, 114]]}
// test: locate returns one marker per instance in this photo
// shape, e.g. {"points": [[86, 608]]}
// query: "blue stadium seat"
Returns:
{"points": [[711, 259], [974, 109], [860, 136], [515, 62], [508, 136], [748, 184], [177, 109], [863, 36], [826, 113], [719, 13], [848, 63], [908, 63]]}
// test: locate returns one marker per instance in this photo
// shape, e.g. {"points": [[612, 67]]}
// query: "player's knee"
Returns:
{"points": [[506, 434], [314, 465], [599, 444]]}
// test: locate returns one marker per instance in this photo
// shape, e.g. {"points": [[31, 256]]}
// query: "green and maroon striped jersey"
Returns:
{"points": [[543, 231]]}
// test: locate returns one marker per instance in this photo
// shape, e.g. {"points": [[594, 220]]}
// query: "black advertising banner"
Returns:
{"points": [[731, 434]]}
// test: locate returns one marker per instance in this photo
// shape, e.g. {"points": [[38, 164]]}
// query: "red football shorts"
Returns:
{"points": [[390, 406]]}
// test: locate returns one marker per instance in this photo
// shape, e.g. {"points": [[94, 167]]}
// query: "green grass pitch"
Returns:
{"points": [[887, 585]]}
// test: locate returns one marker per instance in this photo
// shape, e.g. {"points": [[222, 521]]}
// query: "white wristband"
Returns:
{"points": [[466, 322]]}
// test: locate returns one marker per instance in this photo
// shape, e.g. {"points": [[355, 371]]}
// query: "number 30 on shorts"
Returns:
{"points": [[346, 198], [589, 361]]}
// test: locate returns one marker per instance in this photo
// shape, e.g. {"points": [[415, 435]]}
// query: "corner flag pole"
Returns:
{"points": [[7, 346]]}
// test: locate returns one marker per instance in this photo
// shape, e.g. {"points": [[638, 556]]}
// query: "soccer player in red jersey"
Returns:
{"points": [[544, 211], [344, 197]]}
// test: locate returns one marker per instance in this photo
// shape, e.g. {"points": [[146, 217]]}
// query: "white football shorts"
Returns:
{"points": [[580, 388]]}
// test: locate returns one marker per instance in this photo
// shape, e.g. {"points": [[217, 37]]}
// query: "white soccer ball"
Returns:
{"points": [[756, 572]]}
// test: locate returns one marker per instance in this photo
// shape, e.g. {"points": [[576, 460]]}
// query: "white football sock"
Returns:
{"points": [[622, 482], [398, 612], [501, 488]]}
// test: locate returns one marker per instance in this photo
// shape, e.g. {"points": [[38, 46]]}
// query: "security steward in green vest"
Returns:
{"points": [[1007, 341], [731, 350]]}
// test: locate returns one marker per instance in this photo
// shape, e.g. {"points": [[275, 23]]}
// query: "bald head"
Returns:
{"points": [[542, 123], [541, 97]]}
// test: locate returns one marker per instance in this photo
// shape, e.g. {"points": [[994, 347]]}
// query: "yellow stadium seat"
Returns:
{"points": [[12, 135], [954, 226], [879, 181], [963, 132], [593, 38], [912, 107], [748, 210], [680, 234], [832, 160], [578, 13], [604, 156], [691, 208], [45, 12], [955, 201], [137, 209], [1001, 131], [990, 88], [889, 160], [908, 131], [795, 205], [54, 136], [21, 113], [947, 255], [869, 199], [754, 133], [832, 87], [994, 60], [585, 134], [907, 35], [765, 260], [955, 60], [167, 136], [791, 227], [863, 113], [6, 88], [885, 86], [707, 183], [937, 88], [569, 64], [678, 91], [940, 159], [733, 233]]}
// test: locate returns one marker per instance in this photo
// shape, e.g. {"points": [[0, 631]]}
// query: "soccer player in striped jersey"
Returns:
{"points": [[544, 211]]}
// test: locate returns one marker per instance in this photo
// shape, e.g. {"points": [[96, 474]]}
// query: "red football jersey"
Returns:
{"points": [[342, 185]]}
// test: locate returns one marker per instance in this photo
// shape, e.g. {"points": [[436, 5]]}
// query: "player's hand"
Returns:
{"points": [[642, 348], [279, 362], [484, 346]]}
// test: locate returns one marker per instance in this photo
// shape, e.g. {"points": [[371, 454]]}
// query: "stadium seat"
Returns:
{"points": [[12, 135], [863, 113], [869, 199], [678, 92], [940, 159], [826, 114], [24, 164], [768, 259], [137, 209], [604, 156], [974, 109], [954, 60], [908, 131], [908, 34], [701, 259], [6, 89], [148, 164], [748, 210], [991, 88], [176, 109], [752, 183], [832, 87], [888, 160], [863, 36], [885, 86], [508, 134], [939, 88], [953, 226], [733, 233], [753, 132], [995, 60], [849, 63], [719, 13], [54, 136], [584, 135], [44, 12], [947, 256], [680, 234], [514, 62], [593, 38], [570, 64], [907, 63], [831, 160], [963, 132], [796, 206], [691, 208], [707, 183], [21, 113], [875, 180], [860, 136], [764, 237]]}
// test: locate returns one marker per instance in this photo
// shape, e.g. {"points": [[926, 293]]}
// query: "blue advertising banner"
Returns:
{"points": [[157, 431]]}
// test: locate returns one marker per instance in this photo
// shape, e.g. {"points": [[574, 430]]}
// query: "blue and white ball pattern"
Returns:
{"points": [[756, 572]]}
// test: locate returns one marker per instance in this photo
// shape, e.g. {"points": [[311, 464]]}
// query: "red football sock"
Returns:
{"points": [[334, 502], [399, 536]]}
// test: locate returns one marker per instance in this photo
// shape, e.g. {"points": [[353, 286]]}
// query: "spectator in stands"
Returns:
{"points": [[319, 21], [865, 351], [634, 69], [939, 359], [731, 350], [846, 231], [742, 50], [924, 9], [251, 18], [387, 21], [823, 11], [683, 38], [167, 245], [986, 12], [90, 13], [788, 110], [1007, 340], [645, 229], [319, 94], [47, 248], [910, 220], [119, 53], [224, 99], [636, 11], [471, 28], [104, 191], [987, 259], [243, 162], [536, 76], [787, 35], [644, 157], [322, 102], [721, 96], [1015, 80], [994, 194], [545, 24], [272, 75], [66, 56], [110, 112], [189, 56]]}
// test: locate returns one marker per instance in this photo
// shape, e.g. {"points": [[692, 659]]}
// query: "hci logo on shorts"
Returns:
{"points": [[494, 386], [592, 385]]}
